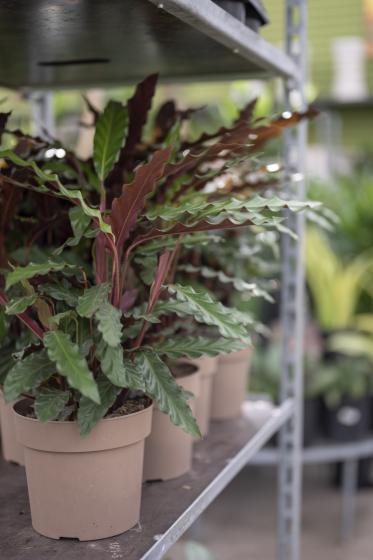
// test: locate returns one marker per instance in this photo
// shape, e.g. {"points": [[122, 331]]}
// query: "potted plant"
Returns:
{"points": [[102, 354], [346, 386], [265, 379]]}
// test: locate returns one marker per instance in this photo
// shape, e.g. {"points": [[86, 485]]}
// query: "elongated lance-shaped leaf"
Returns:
{"points": [[108, 323], [92, 299], [22, 273], [19, 304], [126, 208], [202, 208], [163, 388], [162, 307], [138, 107], [89, 412], [109, 138], [71, 364], [27, 374], [208, 310], [49, 403], [188, 241], [118, 370], [239, 284], [48, 178], [197, 346]]}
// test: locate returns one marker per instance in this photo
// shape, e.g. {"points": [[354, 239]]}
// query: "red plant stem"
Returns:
{"points": [[26, 319]]}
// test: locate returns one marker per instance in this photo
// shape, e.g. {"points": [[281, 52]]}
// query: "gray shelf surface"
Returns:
{"points": [[82, 43], [168, 508], [323, 452]]}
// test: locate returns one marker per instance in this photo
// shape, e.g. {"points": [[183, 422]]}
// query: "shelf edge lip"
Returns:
{"points": [[219, 25], [323, 453], [278, 417]]}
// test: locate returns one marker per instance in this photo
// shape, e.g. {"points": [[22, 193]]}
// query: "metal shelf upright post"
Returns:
{"points": [[292, 296]]}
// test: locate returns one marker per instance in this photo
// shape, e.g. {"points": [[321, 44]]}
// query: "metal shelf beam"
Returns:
{"points": [[168, 508], [64, 44]]}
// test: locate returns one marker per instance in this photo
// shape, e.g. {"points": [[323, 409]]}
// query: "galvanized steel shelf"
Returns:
{"points": [[168, 508], [109, 42]]}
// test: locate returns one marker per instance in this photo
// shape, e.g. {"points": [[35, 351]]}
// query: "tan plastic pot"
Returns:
{"points": [[230, 385], [168, 449], [12, 450], [207, 367], [86, 488]]}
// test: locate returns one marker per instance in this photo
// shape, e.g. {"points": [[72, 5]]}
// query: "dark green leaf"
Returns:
{"points": [[109, 137], [162, 386], [119, 371], [206, 309], [197, 346], [108, 323], [33, 269], [49, 403], [19, 304], [71, 364], [90, 413], [92, 299], [28, 374]]}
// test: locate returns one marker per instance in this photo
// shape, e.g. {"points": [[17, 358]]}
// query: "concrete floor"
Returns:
{"points": [[241, 524]]}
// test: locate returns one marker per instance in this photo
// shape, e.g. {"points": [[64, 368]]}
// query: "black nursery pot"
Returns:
{"points": [[311, 420], [250, 12], [349, 421]]}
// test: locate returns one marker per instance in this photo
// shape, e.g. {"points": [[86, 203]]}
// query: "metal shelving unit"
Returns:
{"points": [[81, 43], [348, 454]]}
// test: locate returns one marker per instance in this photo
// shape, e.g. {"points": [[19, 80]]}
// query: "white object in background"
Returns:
{"points": [[258, 411], [349, 69]]}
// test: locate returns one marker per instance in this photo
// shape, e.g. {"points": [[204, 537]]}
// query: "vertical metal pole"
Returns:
{"points": [[42, 113], [349, 487], [292, 310]]}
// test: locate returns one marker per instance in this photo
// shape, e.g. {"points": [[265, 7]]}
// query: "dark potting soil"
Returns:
{"points": [[130, 406]]}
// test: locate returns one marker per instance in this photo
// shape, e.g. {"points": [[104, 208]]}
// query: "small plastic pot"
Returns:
{"points": [[85, 488], [12, 450], [168, 449], [230, 385]]}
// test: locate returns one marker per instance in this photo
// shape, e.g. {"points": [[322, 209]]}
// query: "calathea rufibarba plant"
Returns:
{"points": [[101, 341]]}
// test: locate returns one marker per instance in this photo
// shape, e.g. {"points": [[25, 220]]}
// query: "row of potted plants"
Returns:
{"points": [[100, 329]]}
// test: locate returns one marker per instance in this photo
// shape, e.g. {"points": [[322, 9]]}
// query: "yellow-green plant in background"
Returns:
{"points": [[336, 287]]}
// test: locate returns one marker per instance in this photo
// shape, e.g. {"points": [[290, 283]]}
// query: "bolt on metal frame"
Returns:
{"points": [[292, 297]]}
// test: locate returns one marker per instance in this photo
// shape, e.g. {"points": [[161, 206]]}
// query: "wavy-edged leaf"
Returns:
{"points": [[208, 310], [203, 209], [126, 208], [109, 137], [197, 346], [89, 412], [20, 304], [27, 374], [118, 370], [188, 241], [71, 364], [22, 273], [108, 323], [238, 283], [47, 178], [49, 403], [92, 299], [163, 388]]}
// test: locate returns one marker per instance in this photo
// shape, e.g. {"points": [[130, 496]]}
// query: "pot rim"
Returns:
{"points": [[71, 422]]}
